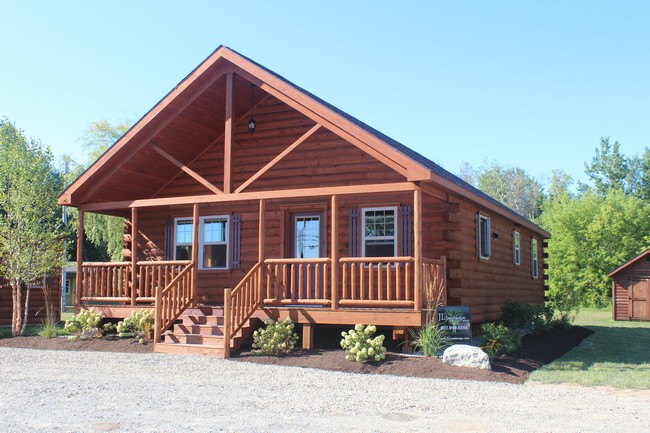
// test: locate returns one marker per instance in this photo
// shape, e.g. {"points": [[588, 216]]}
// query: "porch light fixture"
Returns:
{"points": [[252, 123]]}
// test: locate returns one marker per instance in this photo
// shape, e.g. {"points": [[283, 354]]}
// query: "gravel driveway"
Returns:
{"points": [[91, 391]]}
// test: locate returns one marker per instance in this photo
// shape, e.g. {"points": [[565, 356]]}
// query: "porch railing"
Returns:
{"points": [[240, 303], [297, 281], [377, 282], [173, 299], [434, 285], [110, 282]]}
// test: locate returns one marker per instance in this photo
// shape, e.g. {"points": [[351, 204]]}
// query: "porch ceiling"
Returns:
{"points": [[192, 122]]}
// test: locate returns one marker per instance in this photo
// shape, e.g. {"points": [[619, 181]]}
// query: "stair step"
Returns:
{"points": [[204, 311], [203, 320], [198, 329], [196, 339], [189, 349]]}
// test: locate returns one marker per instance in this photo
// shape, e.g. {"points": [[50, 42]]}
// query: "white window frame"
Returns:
{"points": [[516, 247], [176, 244], [479, 238], [534, 258], [363, 228], [202, 243]]}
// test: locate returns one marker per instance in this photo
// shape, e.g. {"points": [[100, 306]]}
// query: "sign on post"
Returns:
{"points": [[455, 321]]}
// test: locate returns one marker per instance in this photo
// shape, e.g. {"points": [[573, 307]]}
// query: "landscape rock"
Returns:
{"points": [[462, 355]]}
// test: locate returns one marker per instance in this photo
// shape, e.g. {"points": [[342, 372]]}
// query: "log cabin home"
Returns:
{"points": [[246, 197]]}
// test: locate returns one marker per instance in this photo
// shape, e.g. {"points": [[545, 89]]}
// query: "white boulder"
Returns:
{"points": [[462, 355]]}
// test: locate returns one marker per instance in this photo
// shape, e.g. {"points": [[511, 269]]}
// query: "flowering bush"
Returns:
{"points": [[360, 345], [499, 339], [276, 338], [139, 323], [85, 322]]}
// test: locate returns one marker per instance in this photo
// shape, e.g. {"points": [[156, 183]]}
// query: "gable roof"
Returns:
{"points": [[630, 262], [413, 165]]}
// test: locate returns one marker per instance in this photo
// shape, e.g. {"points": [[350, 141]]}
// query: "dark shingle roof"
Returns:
{"points": [[435, 168]]}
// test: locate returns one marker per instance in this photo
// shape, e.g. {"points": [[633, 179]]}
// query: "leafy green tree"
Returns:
{"points": [[592, 235], [30, 224], [104, 232], [609, 168], [512, 186]]}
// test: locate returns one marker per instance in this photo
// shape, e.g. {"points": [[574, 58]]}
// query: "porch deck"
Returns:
{"points": [[378, 290]]}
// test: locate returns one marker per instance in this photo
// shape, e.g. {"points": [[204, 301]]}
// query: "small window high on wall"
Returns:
{"points": [[516, 248], [483, 236], [379, 232], [534, 258]]}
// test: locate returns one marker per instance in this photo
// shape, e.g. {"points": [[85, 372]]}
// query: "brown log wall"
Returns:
{"points": [[36, 302]]}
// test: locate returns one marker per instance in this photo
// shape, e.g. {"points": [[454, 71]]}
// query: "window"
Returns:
{"points": [[534, 258], [213, 241], [183, 239], [516, 248], [483, 236], [379, 232]]}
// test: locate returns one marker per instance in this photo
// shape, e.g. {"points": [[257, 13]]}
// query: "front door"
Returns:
{"points": [[306, 232], [639, 299]]}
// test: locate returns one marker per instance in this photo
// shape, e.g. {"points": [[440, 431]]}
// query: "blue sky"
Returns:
{"points": [[528, 84]]}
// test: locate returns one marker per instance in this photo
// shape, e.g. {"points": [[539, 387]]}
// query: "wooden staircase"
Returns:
{"points": [[201, 333]]}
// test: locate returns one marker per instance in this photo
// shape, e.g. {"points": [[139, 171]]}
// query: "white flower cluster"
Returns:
{"points": [[139, 322], [86, 320], [276, 338], [360, 345]]}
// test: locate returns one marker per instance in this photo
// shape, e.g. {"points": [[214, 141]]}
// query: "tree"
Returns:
{"points": [[592, 235], [103, 231], [30, 225], [512, 186], [610, 169]]}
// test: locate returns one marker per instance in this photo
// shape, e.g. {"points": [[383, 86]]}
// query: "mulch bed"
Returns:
{"points": [[536, 351]]}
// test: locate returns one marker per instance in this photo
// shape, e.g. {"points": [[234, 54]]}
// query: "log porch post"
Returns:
{"points": [[80, 255], [195, 249], [417, 247], [134, 255], [261, 246], [334, 245], [227, 150]]}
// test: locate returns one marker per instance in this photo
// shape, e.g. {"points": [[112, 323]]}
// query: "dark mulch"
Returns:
{"points": [[536, 351], [104, 344]]}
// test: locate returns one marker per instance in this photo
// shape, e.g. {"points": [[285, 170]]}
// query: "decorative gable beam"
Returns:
{"points": [[200, 179], [278, 158], [228, 134]]}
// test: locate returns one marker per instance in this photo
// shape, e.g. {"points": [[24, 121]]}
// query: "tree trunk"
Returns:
{"points": [[16, 322], [22, 330]]}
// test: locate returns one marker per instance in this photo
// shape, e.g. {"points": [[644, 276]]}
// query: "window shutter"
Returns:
{"points": [[488, 238], [236, 242], [514, 247], [169, 239], [478, 235], [405, 237], [354, 232]]}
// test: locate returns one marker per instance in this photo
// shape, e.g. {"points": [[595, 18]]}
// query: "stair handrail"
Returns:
{"points": [[172, 300], [240, 304]]}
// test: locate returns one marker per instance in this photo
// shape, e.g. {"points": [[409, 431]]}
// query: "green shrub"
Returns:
{"points": [[276, 338], [360, 346], [532, 318], [84, 322], [109, 328], [429, 339], [499, 339], [139, 323], [51, 330]]}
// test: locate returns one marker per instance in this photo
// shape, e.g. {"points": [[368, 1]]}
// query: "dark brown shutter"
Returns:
{"points": [[236, 241], [405, 237], [478, 235], [354, 232], [169, 239]]}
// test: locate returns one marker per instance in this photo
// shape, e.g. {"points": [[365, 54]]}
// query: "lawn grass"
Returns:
{"points": [[617, 354]]}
